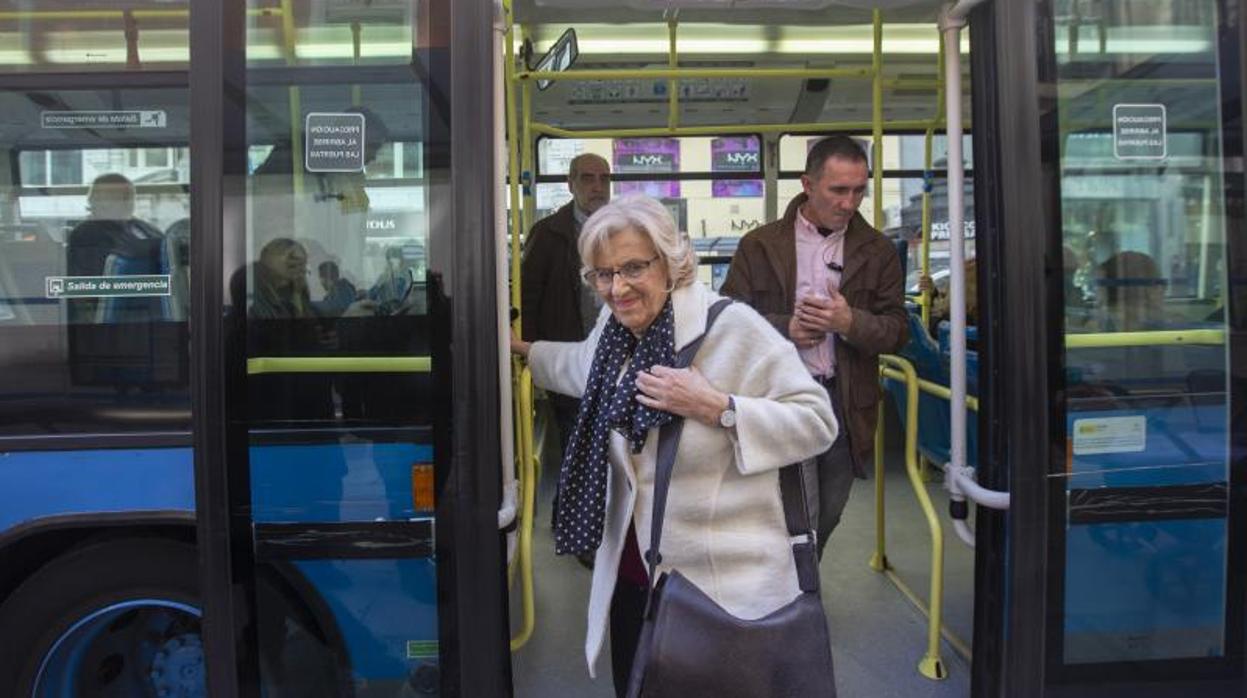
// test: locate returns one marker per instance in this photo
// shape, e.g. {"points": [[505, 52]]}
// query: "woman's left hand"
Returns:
{"points": [[684, 392]]}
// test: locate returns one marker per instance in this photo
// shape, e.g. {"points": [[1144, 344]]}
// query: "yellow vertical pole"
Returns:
{"points": [[931, 665], [289, 38], [513, 158], [879, 561], [529, 143], [928, 473], [876, 65], [673, 85], [357, 41], [925, 261], [529, 154]]}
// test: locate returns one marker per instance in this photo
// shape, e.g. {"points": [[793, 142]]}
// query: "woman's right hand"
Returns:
{"points": [[519, 346]]}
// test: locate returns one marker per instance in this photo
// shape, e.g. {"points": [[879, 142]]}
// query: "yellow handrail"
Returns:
{"points": [[525, 456], [682, 73], [930, 666], [58, 15], [289, 40], [528, 487], [876, 117], [673, 84], [513, 160], [879, 561], [338, 364], [724, 130], [943, 391], [1144, 339], [927, 164]]}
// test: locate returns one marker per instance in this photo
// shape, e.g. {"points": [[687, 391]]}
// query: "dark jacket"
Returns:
{"points": [[764, 275], [551, 290]]}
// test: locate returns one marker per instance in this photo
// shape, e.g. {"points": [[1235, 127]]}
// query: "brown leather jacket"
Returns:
{"points": [[764, 275], [550, 274]]}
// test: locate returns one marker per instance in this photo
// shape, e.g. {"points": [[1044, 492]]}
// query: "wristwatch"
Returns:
{"points": [[727, 418]]}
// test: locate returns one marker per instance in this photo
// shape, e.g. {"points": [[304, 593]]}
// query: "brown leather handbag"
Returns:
{"points": [[690, 646]]}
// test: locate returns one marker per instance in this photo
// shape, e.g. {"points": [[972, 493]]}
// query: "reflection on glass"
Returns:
{"points": [[95, 261], [338, 295], [1143, 229]]}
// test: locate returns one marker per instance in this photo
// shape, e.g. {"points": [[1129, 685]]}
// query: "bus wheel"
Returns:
{"points": [[117, 619]]}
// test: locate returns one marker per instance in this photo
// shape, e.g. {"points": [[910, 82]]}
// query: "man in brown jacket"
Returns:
{"points": [[833, 285]]}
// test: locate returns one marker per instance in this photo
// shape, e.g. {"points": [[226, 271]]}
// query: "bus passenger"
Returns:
{"points": [[394, 284], [1131, 293], [833, 285], [110, 229], [748, 407], [557, 306], [339, 293], [941, 295]]}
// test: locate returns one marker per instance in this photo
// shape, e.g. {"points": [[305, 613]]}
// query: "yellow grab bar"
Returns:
{"points": [[338, 364], [58, 15], [724, 130], [1143, 339], [681, 73], [528, 487], [931, 665]]}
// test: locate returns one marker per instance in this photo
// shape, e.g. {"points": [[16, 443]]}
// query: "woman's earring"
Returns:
{"points": [[671, 288]]}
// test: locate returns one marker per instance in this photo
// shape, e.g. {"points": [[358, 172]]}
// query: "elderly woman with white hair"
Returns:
{"points": [[749, 408]]}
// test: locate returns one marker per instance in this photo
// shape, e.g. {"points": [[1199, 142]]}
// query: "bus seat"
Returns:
{"points": [[930, 363], [127, 309]]}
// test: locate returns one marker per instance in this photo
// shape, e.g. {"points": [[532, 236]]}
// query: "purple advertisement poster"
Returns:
{"points": [[736, 154], [643, 156]]}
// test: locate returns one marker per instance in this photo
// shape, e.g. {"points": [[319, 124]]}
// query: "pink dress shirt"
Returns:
{"points": [[814, 278]]}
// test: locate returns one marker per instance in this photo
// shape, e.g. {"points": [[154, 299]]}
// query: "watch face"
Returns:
{"points": [[727, 419]]}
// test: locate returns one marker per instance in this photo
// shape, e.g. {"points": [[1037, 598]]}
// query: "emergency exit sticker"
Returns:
{"points": [[1139, 132], [152, 118], [1110, 435], [106, 286]]}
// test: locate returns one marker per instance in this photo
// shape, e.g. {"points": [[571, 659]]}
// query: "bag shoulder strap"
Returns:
{"points": [[792, 486], [668, 440]]}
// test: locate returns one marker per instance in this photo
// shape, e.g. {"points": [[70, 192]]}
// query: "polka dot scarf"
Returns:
{"points": [[605, 406]]}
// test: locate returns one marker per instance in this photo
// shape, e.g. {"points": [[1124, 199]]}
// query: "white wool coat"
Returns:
{"points": [[724, 528]]}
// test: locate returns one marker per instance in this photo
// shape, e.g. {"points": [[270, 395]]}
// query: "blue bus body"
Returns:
{"points": [[384, 609]]}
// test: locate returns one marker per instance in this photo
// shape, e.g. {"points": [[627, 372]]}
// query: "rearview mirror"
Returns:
{"points": [[559, 58]]}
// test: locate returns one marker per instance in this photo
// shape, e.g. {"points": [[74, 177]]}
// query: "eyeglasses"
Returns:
{"points": [[630, 271]]}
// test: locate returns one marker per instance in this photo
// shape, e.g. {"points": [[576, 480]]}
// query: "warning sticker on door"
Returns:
{"points": [[334, 142], [1110, 435], [1139, 132]]}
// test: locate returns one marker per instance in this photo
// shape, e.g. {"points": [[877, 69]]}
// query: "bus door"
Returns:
{"points": [[1115, 241], [362, 496]]}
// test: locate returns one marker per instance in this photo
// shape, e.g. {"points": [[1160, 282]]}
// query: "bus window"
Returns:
{"points": [[146, 35], [94, 261]]}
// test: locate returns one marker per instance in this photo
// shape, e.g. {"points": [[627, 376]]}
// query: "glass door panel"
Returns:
{"points": [[342, 302], [1142, 579]]}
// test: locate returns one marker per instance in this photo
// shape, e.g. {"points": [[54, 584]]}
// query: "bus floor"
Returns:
{"points": [[877, 636]]}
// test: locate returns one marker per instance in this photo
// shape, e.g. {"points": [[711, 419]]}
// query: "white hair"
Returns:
{"points": [[650, 218]]}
